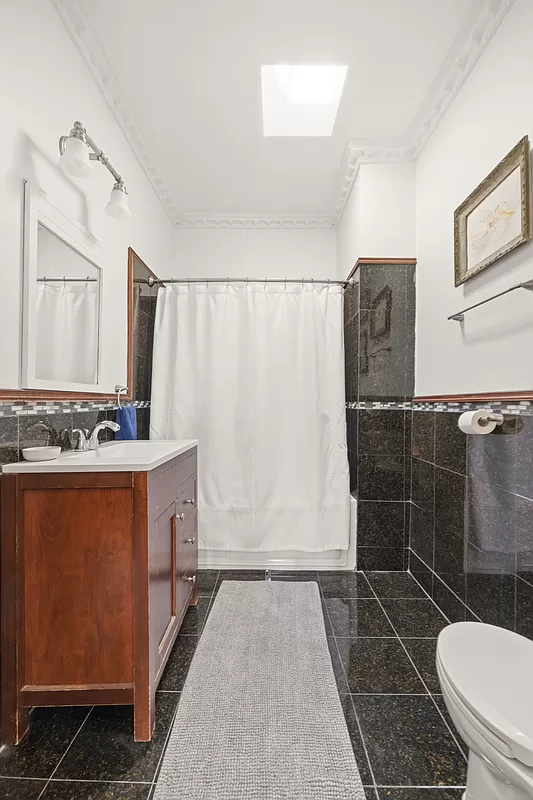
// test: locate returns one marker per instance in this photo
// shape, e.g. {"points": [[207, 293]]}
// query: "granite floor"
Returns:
{"points": [[381, 629]]}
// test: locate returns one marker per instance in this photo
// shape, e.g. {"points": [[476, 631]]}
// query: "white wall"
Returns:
{"points": [[379, 218], [489, 116], [248, 253], [44, 88]]}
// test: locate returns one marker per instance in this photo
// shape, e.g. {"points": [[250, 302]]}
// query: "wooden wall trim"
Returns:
{"points": [[379, 261], [500, 397]]}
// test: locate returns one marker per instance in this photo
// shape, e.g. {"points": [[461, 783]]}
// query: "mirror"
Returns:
{"points": [[62, 301], [66, 311]]}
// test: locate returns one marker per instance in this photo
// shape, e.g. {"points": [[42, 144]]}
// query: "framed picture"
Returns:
{"points": [[380, 313], [496, 217]]}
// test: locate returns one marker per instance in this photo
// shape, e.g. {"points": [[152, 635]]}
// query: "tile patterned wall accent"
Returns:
{"points": [[379, 372], [471, 532]]}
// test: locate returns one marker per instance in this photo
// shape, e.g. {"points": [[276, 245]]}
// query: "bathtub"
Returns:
{"points": [[293, 560]]}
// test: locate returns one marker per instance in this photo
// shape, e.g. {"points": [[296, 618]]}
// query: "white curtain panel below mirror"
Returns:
{"points": [[67, 332], [256, 372]]}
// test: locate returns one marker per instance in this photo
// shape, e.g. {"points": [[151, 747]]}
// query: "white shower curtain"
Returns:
{"points": [[67, 332], [256, 372]]}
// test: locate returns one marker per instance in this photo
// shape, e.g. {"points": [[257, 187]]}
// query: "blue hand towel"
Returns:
{"points": [[127, 419]]}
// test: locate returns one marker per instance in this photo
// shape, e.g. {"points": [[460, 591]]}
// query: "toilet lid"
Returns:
{"points": [[491, 669]]}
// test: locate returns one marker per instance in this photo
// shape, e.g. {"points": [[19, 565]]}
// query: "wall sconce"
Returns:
{"points": [[75, 158]]}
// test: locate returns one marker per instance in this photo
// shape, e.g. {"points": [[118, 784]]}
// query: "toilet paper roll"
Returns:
{"points": [[477, 421]]}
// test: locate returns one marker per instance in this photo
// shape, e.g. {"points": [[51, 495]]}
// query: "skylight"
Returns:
{"points": [[301, 100]]}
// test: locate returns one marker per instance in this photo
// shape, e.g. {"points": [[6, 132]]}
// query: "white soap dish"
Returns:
{"points": [[40, 453]]}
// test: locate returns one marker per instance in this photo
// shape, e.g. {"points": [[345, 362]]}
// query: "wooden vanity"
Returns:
{"points": [[99, 566]]}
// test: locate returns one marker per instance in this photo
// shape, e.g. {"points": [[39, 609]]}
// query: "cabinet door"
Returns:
{"points": [[163, 575]]}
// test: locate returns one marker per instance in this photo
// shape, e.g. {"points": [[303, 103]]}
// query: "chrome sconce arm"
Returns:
{"points": [[76, 152]]}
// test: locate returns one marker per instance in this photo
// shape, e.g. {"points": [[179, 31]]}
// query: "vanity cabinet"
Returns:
{"points": [[98, 570]]}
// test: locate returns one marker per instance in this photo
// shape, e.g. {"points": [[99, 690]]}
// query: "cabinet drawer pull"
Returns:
{"points": [[189, 502], [180, 516], [192, 578], [190, 541]]}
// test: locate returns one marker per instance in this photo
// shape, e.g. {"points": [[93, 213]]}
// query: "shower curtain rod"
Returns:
{"points": [[67, 280], [152, 281]]}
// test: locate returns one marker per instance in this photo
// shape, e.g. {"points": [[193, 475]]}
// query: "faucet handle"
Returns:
{"points": [[82, 438]]}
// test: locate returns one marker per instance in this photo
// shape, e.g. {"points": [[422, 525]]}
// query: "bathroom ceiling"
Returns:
{"points": [[184, 80]]}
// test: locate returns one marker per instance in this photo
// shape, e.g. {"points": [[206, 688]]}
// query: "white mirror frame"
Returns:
{"points": [[39, 211]]}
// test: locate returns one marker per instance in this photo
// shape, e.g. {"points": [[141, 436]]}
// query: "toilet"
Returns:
{"points": [[486, 676]]}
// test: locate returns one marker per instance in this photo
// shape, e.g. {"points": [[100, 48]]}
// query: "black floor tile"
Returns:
{"points": [[395, 584], [355, 737], [423, 652], [420, 794], [351, 617], [77, 790], [408, 743], [378, 666], [207, 579], [13, 789], [178, 664], [327, 623], [439, 700], [415, 617], [370, 793], [344, 584], [50, 733], [338, 669], [195, 617], [104, 750]]}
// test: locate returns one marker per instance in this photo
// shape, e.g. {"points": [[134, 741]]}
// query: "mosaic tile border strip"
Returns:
{"points": [[523, 407], [33, 409]]}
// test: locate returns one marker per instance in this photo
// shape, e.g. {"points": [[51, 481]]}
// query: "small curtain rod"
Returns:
{"points": [[67, 280], [152, 281]]}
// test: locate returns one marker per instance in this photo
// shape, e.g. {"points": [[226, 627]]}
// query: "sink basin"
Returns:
{"points": [[110, 457]]}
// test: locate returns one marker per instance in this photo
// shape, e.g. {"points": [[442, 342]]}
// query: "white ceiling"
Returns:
{"points": [[183, 78]]}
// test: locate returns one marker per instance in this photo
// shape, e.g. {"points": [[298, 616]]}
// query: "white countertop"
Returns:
{"points": [[110, 457]]}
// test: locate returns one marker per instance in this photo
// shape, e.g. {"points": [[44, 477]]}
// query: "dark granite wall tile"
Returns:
{"points": [[423, 435], [381, 477], [380, 524], [422, 533], [379, 313], [381, 433], [483, 536], [9, 438], [450, 443]]}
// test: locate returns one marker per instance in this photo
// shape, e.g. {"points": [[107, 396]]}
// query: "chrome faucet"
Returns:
{"points": [[90, 441]]}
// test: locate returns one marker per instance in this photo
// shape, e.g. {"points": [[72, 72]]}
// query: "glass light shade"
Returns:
{"points": [[118, 204], [75, 159]]}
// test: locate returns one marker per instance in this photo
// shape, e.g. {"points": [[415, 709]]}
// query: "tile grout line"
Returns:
{"points": [[65, 753], [374, 784], [421, 678], [435, 575]]}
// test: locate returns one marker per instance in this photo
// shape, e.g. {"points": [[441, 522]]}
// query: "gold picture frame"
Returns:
{"points": [[496, 217]]}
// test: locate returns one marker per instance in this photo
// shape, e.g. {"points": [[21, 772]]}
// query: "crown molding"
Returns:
{"points": [[480, 26], [262, 222], [74, 18]]}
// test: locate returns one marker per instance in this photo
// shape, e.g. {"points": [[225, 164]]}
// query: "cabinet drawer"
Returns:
{"points": [[166, 485], [186, 502], [187, 559]]}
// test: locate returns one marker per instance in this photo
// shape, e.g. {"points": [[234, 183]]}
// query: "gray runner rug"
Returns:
{"points": [[260, 716]]}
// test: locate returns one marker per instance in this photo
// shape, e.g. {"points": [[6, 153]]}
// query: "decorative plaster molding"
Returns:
{"points": [[477, 31], [74, 18], [234, 222], [479, 28]]}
